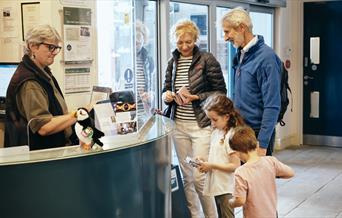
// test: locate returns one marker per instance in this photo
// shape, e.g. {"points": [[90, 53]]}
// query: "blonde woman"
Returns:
{"points": [[192, 75]]}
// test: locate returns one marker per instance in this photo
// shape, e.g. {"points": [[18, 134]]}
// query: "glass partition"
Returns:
{"points": [[127, 59], [146, 60], [115, 44]]}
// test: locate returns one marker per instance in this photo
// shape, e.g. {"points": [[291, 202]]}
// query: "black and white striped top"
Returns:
{"points": [[185, 112], [140, 81]]}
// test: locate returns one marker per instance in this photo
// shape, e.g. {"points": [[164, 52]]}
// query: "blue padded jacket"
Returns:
{"points": [[257, 89]]}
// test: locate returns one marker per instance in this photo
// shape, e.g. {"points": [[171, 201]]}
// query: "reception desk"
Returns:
{"points": [[129, 178]]}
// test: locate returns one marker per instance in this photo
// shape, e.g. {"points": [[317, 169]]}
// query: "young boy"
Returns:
{"points": [[255, 187]]}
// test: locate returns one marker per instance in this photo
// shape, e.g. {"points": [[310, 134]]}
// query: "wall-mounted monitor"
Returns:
{"points": [[6, 72]]}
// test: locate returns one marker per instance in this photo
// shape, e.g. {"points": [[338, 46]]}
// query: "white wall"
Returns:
{"points": [[50, 13], [289, 36]]}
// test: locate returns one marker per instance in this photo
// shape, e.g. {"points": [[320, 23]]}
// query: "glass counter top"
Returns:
{"points": [[155, 128]]}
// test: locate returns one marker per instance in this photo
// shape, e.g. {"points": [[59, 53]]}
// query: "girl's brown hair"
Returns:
{"points": [[222, 105]]}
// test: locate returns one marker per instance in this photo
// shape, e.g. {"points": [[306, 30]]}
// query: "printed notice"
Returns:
{"points": [[77, 35], [31, 16], [77, 80], [8, 22]]}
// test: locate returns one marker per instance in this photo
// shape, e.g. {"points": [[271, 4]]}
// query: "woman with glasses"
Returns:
{"points": [[36, 112], [191, 77]]}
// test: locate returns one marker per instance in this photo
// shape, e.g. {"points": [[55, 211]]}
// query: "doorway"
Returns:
{"points": [[322, 71]]}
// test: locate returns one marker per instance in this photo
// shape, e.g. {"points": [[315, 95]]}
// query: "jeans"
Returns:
{"points": [[191, 140]]}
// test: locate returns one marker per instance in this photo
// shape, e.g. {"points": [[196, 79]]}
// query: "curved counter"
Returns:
{"points": [[130, 177]]}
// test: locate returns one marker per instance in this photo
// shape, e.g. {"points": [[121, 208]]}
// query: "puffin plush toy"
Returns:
{"points": [[86, 131]]}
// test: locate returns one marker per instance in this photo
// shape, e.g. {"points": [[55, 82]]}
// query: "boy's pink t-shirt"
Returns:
{"points": [[256, 182]]}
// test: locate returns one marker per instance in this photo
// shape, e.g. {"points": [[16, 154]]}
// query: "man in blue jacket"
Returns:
{"points": [[257, 77]]}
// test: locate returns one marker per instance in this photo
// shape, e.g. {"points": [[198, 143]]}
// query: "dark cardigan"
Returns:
{"points": [[16, 124]]}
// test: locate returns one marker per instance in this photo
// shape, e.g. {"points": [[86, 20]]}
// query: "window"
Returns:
{"points": [[263, 25], [197, 13], [224, 51]]}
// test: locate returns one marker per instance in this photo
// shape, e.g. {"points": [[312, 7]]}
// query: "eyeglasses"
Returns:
{"points": [[52, 48]]}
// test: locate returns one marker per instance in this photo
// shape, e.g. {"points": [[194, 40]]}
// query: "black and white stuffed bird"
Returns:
{"points": [[86, 131]]}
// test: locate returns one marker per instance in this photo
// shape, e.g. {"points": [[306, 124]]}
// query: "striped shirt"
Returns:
{"points": [[140, 82], [185, 112]]}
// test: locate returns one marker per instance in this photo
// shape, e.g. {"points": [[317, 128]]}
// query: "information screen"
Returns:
{"points": [[6, 72]]}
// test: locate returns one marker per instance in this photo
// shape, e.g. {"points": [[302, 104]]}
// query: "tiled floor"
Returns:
{"points": [[316, 189]]}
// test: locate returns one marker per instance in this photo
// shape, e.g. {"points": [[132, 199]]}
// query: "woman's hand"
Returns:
{"points": [[168, 96], [189, 98]]}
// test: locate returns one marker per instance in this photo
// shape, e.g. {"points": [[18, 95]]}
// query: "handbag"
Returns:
{"points": [[167, 111]]}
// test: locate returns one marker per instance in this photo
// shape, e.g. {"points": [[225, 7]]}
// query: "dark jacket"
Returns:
{"points": [[205, 78], [16, 125], [148, 67]]}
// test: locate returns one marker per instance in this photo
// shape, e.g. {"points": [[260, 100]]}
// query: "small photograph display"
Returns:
{"points": [[117, 116], [125, 117]]}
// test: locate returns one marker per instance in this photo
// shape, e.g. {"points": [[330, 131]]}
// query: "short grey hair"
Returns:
{"points": [[39, 34], [238, 16]]}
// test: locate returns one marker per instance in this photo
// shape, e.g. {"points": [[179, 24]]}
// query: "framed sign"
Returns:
{"points": [[30, 16], [99, 94]]}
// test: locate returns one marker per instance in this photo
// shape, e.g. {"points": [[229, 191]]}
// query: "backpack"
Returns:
{"points": [[284, 98]]}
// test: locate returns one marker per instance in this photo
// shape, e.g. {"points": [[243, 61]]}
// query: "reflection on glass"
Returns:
{"points": [[144, 68], [115, 44], [197, 13], [127, 49], [146, 45], [263, 25], [224, 51], [122, 54]]}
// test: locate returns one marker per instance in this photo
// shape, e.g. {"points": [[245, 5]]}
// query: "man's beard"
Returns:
{"points": [[235, 45]]}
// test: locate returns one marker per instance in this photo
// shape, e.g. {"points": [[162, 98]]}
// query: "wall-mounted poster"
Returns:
{"points": [[8, 21], [73, 2], [77, 35]]}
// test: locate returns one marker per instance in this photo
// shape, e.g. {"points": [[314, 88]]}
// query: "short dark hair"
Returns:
{"points": [[243, 139]]}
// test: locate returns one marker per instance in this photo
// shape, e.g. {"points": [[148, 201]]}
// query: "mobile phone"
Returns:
{"points": [[191, 162]]}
